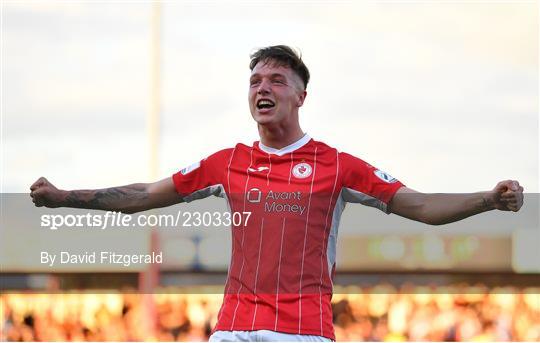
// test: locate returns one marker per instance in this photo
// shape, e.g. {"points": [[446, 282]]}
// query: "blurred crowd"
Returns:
{"points": [[381, 313]]}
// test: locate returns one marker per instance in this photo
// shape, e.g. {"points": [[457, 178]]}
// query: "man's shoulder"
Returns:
{"points": [[228, 153], [345, 158], [222, 153], [243, 146], [323, 148]]}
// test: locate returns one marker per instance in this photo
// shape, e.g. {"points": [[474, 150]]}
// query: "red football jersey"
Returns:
{"points": [[283, 260]]}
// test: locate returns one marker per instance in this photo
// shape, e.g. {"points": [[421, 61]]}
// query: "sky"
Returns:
{"points": [[442, 95]]}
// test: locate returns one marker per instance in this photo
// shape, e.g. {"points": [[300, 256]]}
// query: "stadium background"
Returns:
{"points": [[443, 95]]}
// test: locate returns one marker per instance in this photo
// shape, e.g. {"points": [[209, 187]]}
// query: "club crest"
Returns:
{"points": [[302, 170]]}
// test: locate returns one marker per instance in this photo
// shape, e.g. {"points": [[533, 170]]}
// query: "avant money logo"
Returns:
{"points": [[254, 195]]}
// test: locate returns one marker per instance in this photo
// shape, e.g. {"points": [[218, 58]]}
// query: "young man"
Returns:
{"points": [[279, 283]]}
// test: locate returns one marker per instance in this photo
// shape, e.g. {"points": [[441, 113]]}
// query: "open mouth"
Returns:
{"points": [[265, 104]]}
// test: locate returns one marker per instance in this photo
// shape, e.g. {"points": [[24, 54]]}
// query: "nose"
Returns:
{"points": [[264, 87]]}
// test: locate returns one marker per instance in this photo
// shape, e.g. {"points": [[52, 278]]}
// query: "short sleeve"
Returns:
{"points": [[204, 178], [365, 184]]}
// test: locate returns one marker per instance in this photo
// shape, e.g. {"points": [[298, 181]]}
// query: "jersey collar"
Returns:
{"points": [[288, 149]]}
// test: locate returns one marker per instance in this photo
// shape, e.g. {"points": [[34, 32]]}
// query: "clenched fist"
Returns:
{"points": [[44, 193], [507, 196]]}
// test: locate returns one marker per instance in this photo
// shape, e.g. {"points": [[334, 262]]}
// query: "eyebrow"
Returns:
{"points": [[271, 75]]}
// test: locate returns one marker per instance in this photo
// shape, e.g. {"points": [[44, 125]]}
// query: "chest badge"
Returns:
{"points": [[302, 170]]}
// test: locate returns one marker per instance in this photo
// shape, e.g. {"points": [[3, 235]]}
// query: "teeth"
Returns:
{"points": [[265, 103]]}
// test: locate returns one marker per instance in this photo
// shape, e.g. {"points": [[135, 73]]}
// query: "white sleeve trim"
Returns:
{"points": [[354, 196], [216, 190]]}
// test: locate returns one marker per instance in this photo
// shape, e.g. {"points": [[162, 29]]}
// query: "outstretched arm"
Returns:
{"points": [[128, 199], [438, 209]]}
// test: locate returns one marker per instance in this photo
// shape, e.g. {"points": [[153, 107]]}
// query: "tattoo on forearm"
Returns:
{"points": [[485, 203], [107, 199]]}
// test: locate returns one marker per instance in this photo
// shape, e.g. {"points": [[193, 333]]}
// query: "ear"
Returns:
{"points": [[301, 97]]}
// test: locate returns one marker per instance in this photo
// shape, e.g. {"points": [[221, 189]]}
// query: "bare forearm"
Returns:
{"points": [[439, 209], [129, 199]]}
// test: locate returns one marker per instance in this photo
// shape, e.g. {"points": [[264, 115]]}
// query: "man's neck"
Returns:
{"points": [[278, 138]]}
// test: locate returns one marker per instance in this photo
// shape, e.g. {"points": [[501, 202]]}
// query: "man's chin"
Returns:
{"points": [[264, 119]]}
